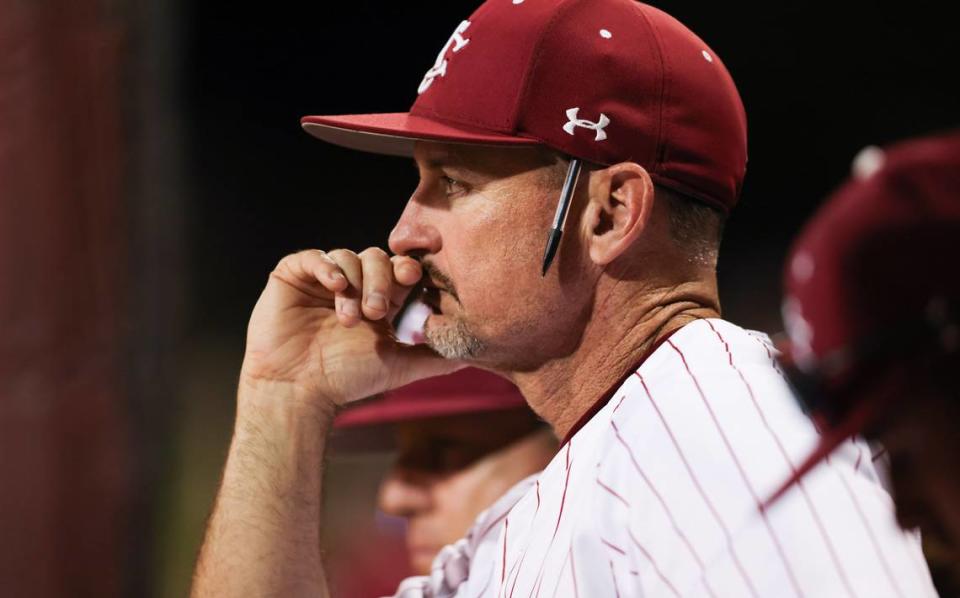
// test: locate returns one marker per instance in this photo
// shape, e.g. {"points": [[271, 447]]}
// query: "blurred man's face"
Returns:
{"points": [[449, 469], [922, 436], [479, 220]]}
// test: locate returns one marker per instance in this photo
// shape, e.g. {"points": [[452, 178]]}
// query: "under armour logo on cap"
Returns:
{"points": [[439, 68], [560, 74], [573, 122]]}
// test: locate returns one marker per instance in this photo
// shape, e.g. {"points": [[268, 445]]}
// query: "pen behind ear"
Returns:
{"points": [[560, 217]]}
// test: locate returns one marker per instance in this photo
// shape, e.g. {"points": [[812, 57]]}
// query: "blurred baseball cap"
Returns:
{"points": [[871, 286], [606, 81], [467, 391]]}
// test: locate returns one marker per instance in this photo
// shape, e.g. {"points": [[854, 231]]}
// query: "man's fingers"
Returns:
{"points": [[347, 301], [420, 361], [378, 283], [324, 269], [312, 272], [370, 285], [406, 270]]}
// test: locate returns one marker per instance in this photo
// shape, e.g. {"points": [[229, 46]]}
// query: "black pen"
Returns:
{"points": [[553, 240]]}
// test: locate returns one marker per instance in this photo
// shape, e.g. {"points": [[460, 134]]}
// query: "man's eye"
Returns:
{"points": [[452, 186], [455, 458]]}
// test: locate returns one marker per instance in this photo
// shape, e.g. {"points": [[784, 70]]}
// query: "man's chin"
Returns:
{"points": [[451, 337], [420, 564]]}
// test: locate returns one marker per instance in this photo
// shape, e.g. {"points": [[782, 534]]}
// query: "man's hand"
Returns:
{"points": [[319, 337], [322, 328]]}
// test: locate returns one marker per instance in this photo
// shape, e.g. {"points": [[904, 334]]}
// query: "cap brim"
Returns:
{"points": [[379, 411], [394, 134], [466, 391]]}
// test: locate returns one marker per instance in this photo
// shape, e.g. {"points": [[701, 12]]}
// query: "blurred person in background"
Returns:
{"points": [[872, 312], [462, 441]]}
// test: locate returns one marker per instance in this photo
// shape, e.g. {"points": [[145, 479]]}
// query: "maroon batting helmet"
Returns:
{"points": [[872, 286]]}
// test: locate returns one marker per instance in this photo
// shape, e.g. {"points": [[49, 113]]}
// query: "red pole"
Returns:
{"points": [[65, 460]]}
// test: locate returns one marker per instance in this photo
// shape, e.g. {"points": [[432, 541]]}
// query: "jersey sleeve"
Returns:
{"points": [[469, 564], [697, 446]]}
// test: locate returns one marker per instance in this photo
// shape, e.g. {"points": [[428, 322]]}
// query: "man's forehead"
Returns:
{"points": [[481, 157], [431, 152], [439, 156]]}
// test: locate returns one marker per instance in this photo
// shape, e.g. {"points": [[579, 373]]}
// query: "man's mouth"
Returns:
{"points": [[434, 285], [430, 295]]}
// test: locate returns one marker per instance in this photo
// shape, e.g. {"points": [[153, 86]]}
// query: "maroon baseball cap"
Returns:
{"points": [[870, 282], [606, 81], [469, 390]]}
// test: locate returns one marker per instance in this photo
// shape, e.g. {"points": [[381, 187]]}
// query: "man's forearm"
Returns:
{"points": [[263, 538]]}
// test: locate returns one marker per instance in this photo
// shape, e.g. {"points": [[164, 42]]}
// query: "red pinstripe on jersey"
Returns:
{"points": [[563, 500], [856, 466], [653, 564], [614, 493], [919, 564], [563, 570], [492, 525], [700, 491], [613, 574], [613, 546], [879, 454], [563, 497], [657, 494], [506, 528], [743, 475], [873, 539], [619, 403], [663, 503], [786, 457], [519, 565], [605, 398]]}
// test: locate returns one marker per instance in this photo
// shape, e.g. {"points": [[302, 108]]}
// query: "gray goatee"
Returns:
{"points": [[454, 341]]}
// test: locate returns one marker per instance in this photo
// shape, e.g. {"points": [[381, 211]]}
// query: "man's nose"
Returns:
{"points": [[404, 493], [414, 232]]}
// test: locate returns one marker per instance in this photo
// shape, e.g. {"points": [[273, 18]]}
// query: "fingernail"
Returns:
{"points": [[408, 270], [377, 301], [337, 277]]}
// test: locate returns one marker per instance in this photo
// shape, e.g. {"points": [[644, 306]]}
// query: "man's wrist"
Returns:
{"points": [[258, 397], [279, 443]]}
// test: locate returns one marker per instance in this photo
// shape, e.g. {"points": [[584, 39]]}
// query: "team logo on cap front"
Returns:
{"points": [[439, 68], [573, 122]]}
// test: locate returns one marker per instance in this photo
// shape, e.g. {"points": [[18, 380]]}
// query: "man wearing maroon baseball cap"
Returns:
{"points": [[872, 312], [462, 441], [596, 295]]}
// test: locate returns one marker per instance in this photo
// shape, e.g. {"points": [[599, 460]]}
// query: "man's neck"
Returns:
{"points": [[619, 334]]}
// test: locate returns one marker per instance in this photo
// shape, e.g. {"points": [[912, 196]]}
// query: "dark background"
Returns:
{"points": [[819, 80], [153, 171]]}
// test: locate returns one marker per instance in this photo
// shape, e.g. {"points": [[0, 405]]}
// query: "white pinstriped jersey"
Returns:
{"points": [[658, 493]]}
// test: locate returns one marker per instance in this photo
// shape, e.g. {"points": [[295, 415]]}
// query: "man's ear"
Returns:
{"points": [[619, 208]]}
